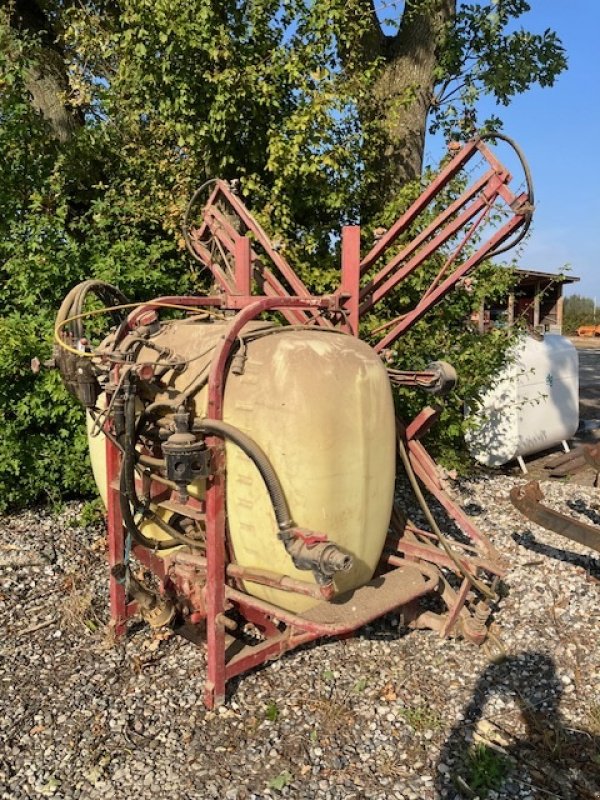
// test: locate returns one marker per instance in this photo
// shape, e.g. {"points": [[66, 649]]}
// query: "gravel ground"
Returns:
{"points": [[387, 714]]}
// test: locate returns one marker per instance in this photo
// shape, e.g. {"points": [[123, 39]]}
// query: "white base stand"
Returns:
{"points": [[522, 465]]}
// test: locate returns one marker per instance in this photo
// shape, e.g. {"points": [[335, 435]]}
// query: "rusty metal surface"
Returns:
{"points": [[528, 500], [561, 465]]}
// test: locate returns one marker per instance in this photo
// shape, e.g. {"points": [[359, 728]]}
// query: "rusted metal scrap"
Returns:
{"points": [[528, 500], [563, 464]]}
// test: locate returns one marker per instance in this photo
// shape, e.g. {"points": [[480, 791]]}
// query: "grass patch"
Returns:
{"points": [[485, 769], [421, 718], [594, 719]]}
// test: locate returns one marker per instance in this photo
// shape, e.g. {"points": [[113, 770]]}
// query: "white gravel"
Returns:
{"points": [[387, 714]]}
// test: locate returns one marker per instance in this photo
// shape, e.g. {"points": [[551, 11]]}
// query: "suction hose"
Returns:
{"points": [[324, 558], [260, 461], [128, 498]]}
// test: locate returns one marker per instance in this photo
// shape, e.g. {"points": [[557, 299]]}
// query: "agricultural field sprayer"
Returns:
{"points": [[246, 445]]}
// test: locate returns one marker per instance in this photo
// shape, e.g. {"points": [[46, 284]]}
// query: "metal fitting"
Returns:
{"points": [[147, 324], [186, 459], [154, 609], [475, 627], [314, 552], [445, 380]]}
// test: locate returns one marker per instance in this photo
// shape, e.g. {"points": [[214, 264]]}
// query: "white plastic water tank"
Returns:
{"points": [[534, 404]]}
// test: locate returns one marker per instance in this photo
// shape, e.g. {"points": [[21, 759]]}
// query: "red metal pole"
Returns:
{"points": [[428, 302], [243, 268], [223, 230], [375, 289], [215, 586], [215, 495], [278, 260], [440, 220], [116, 542], [351, 273], [446, 175]]}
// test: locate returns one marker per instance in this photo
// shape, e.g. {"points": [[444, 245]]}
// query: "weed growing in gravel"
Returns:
{"points": [[77, 606], [280, 781], [421, 718], [594, 719], [331, 714], [92, 513], [486, 769], [271, 711]]}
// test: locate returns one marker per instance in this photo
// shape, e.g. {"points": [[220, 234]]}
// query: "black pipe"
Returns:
{"points": [[530, 191], [260, 461], [127, 494], [128, 498]]}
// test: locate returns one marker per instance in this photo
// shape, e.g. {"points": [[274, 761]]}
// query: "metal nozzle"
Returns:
{"points": [[334, 560], [308, 551]]}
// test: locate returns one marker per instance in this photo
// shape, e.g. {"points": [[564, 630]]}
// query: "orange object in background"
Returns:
{"points": [[588, 330]]}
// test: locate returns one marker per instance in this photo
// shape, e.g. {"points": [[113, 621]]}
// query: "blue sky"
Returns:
{"points": [[559, 130]]}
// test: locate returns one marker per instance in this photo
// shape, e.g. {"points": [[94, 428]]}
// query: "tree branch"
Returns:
{"points": [[369, 41]]}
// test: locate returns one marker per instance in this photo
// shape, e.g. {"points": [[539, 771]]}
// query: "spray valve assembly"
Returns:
{"points": [[186, 457]]}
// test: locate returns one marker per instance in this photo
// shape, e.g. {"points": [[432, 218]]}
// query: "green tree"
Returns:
{"points": [[578, 310], [432, 61], [111, 111]]}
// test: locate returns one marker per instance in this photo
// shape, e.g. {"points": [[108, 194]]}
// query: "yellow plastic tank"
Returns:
{"points": [[319, 404]]}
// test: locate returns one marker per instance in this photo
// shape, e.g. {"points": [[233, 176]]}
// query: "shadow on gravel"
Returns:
{"points": [[588, 563], [523, 747], [588, 511]]}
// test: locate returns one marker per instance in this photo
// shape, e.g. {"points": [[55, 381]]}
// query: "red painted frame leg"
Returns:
{"points": [[116, 540], [215, 585]]}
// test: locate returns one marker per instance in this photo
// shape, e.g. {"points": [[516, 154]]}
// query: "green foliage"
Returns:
{"points": [[272, 711], [280, 781], [578, 310], [486, 53], [162, 95], [446, 332], [486, 769], [92, 513], [421, 718]]}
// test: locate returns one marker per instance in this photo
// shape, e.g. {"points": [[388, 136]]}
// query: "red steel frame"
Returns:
{"points": [[239, 264]]}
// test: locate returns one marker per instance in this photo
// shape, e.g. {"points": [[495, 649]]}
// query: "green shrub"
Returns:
{"points": [[159, 101]]}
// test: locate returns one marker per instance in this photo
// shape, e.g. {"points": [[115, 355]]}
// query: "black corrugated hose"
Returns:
{"points": [[260, 461], [128, 498]]}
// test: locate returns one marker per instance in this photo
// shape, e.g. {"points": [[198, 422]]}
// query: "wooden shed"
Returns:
{"points": [[536, 300]]}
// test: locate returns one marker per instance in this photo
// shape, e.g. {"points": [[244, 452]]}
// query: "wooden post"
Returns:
{"points": [[536, 306], [560, 311], [511, 309]]}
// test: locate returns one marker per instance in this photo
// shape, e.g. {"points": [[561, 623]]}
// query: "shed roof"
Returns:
{"points": [[532, 275]]}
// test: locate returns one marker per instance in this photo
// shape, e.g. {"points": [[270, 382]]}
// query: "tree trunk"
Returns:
{"points": [[47, 81], [394, 117]]}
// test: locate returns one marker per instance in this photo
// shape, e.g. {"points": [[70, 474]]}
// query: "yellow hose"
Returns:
{"points": [[97, 311]]}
